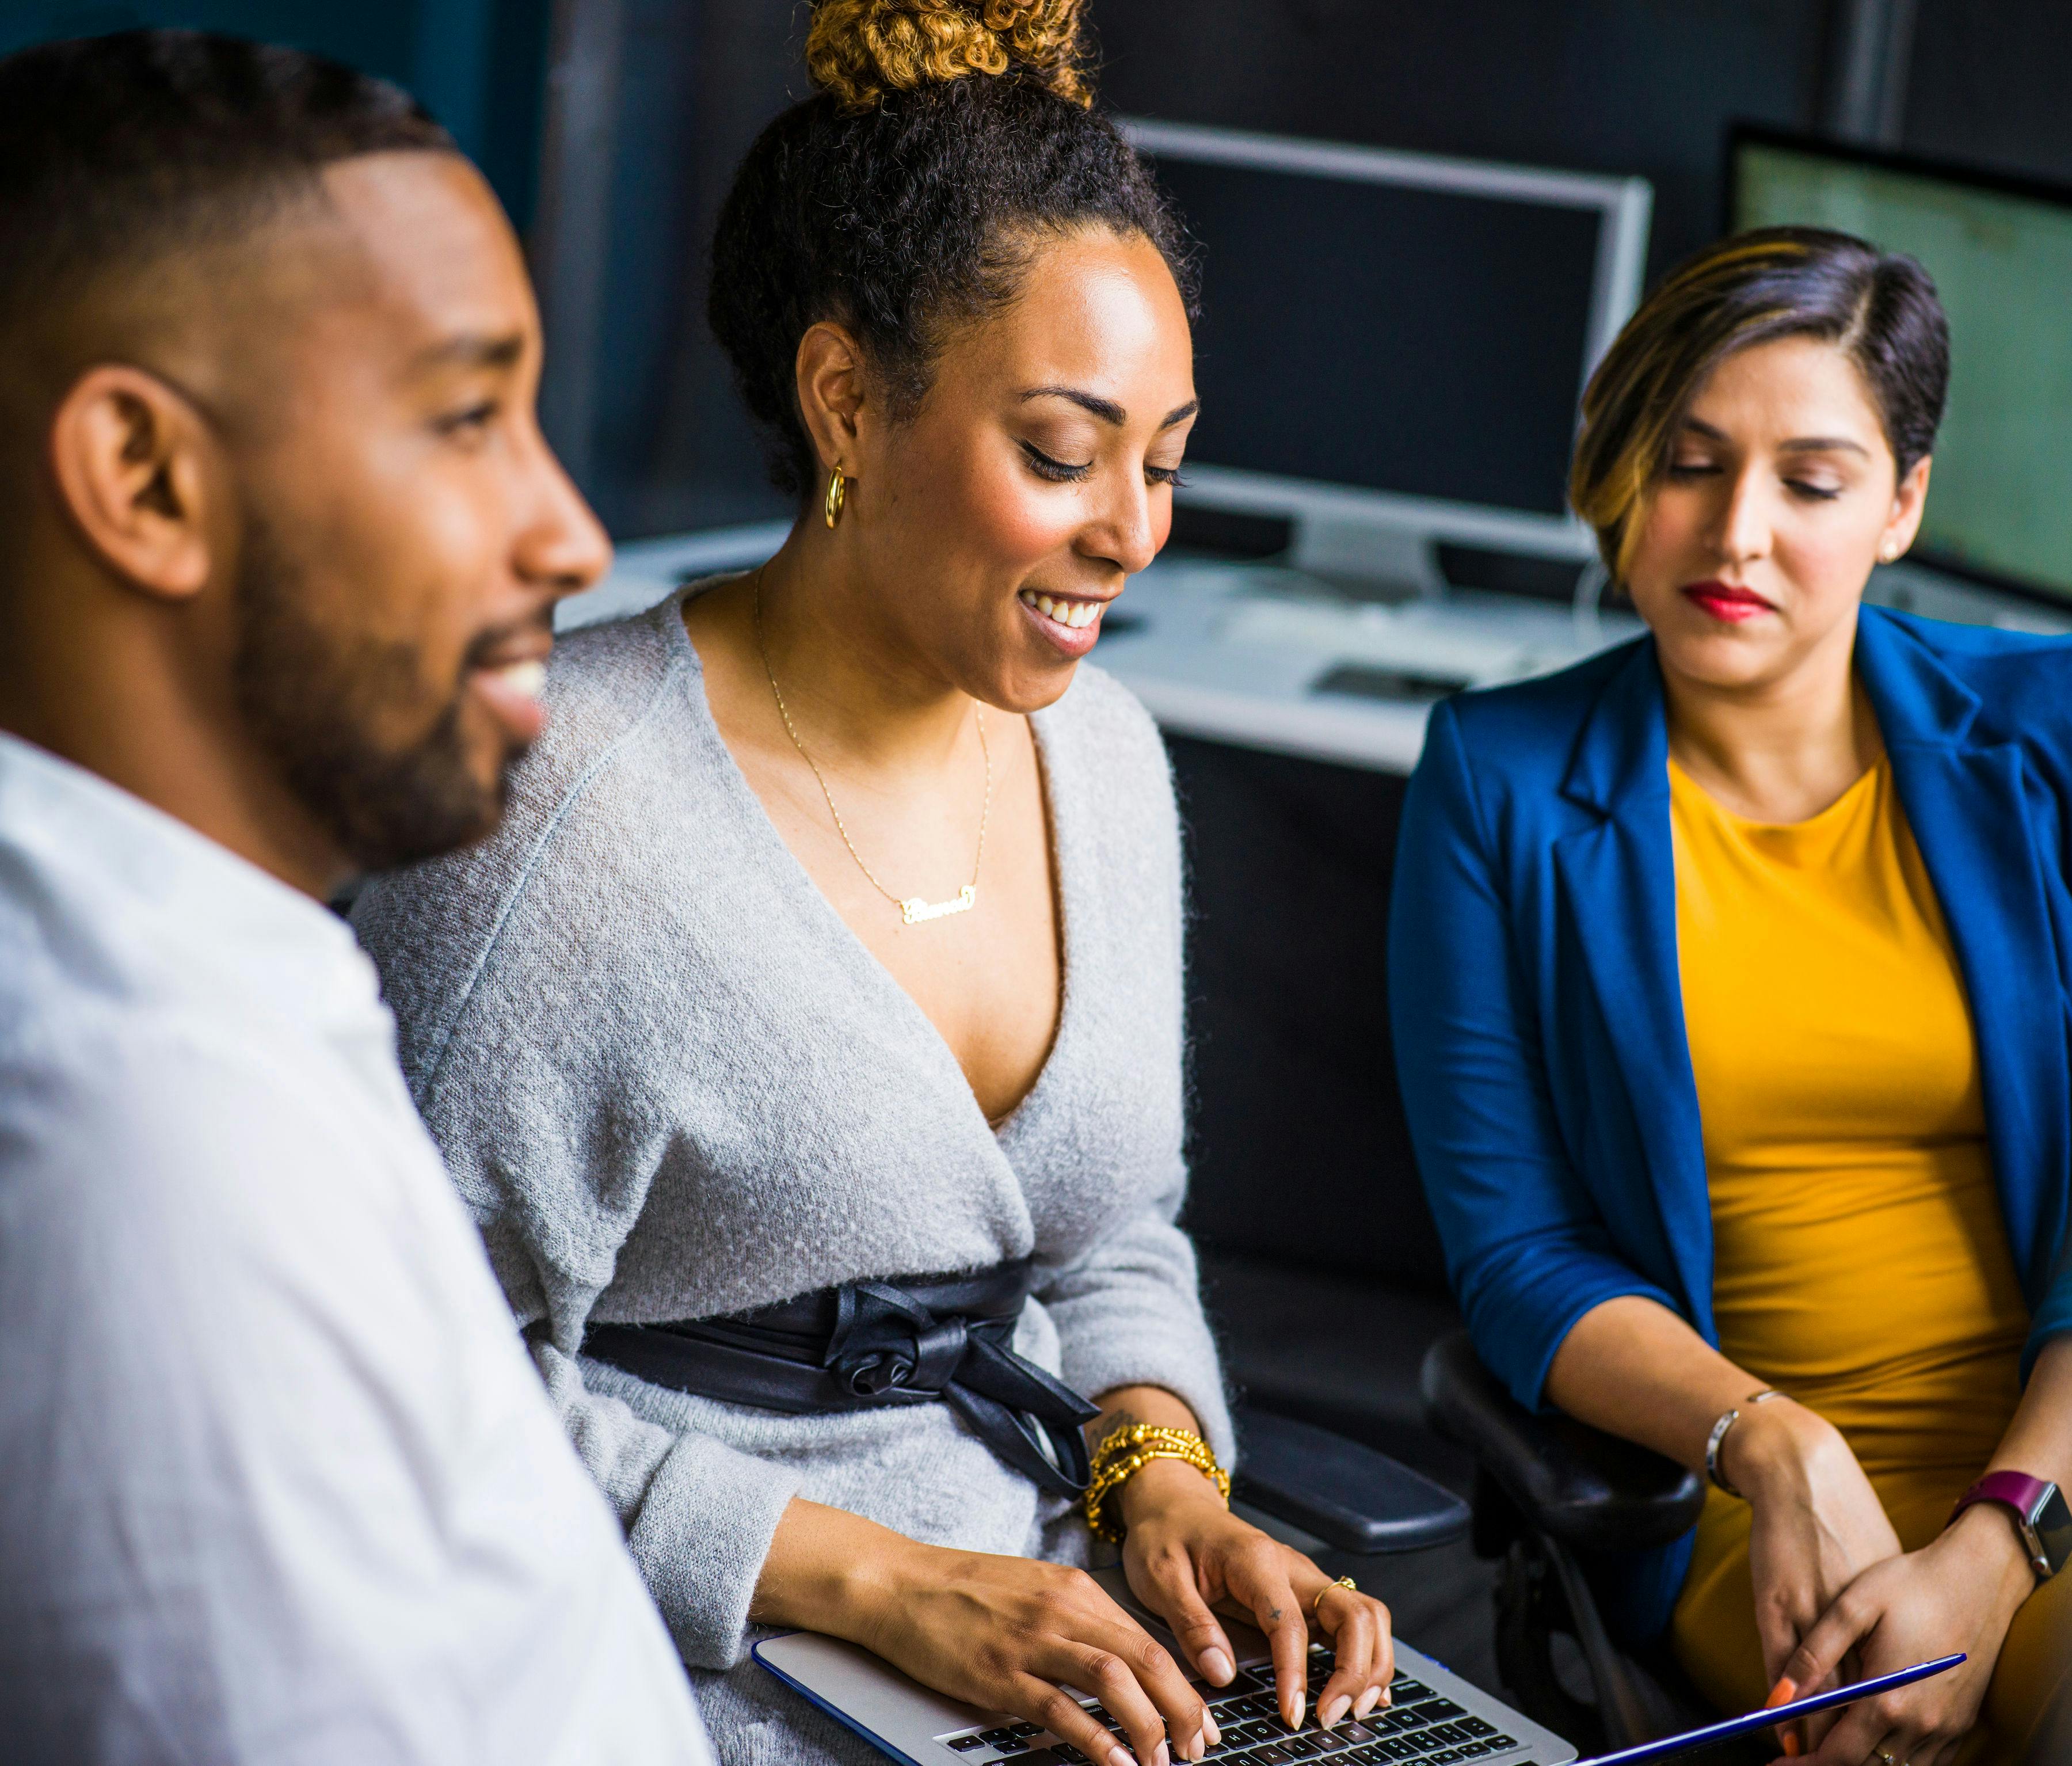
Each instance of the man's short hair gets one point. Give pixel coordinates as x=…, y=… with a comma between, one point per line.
x=117, y=150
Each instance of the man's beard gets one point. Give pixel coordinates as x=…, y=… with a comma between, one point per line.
x=314, y=702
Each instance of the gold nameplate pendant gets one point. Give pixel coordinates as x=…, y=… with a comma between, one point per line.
x=913, y=910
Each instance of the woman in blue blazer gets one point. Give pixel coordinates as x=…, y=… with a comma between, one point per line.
x=1729, y=980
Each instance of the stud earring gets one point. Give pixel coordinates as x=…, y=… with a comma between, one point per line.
x=837, y=496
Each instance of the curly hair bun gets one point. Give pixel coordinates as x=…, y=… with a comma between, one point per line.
x=858, y=50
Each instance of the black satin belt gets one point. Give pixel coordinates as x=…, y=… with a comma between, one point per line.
x=934, y=1340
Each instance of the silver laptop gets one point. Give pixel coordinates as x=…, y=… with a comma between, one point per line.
x=1435, y=1717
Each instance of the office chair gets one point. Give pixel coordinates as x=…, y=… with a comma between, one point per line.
x=1347, y=1494
x=1546, y=1488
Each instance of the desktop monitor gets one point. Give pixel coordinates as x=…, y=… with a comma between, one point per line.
x=1395, y=336
x=2001, y=251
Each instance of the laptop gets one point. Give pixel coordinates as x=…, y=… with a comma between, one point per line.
x=1434, y=1718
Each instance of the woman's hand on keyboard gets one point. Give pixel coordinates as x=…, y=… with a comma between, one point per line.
x=1186, y=1556
x=1006, y=1634
x=1010, y=1633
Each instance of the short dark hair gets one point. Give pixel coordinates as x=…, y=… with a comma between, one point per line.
x=1879, y=307
x=909, y=193
x=117, y=150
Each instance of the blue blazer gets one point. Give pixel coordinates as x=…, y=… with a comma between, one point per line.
x=1538, y=1017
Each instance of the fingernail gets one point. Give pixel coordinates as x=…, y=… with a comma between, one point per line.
x=1119, y=1755
x=1790, y=1745
x=1210, y=1733
x=1302, y=1704
x=1160, y=1757
x=1334, y=1712
x=1782, y=1693
x=1217, y=1666
x=1366, y=1701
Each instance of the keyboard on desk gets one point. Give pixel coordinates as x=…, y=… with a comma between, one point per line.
x=1416, y=1724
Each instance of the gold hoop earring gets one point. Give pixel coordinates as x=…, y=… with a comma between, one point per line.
x=837, y=496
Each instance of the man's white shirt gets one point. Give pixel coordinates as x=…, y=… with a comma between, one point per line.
x=278, y=1481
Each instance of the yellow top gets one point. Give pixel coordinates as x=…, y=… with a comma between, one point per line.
x=1861, y=1261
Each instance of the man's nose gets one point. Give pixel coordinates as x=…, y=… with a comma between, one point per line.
x=563, y=548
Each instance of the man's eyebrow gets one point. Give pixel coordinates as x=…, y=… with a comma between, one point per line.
x=1106, y=409
x=1801, y=444
x=474, y=350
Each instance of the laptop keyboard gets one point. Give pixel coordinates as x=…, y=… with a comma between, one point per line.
x=1417, y=1724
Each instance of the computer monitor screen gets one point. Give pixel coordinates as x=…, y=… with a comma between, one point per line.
x=1393, y=322
x=1999, y=501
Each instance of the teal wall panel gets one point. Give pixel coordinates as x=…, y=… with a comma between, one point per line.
x=479, y=65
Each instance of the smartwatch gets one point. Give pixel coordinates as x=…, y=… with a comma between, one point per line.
x=2041, y=1516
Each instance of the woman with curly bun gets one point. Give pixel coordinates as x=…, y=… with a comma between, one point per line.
x=808, y=1042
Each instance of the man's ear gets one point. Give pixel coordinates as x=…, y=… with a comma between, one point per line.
x=134, y=461
x=832, y=393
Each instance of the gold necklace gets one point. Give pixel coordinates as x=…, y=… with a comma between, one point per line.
x=913, y=910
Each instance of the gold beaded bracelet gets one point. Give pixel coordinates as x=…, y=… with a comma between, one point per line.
x=1127, y=1451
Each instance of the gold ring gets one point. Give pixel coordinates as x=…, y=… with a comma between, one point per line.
x=1347, y=1583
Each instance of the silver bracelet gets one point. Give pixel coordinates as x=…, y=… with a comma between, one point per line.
x=1718, y=1436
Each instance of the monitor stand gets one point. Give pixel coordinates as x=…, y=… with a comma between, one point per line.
x=1369, y=560
x=1397, y=548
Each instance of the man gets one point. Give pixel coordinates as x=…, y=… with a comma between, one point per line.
x=277, y=1482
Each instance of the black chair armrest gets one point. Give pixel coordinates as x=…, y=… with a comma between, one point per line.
x=1349, y=1496
x=1582, y=1486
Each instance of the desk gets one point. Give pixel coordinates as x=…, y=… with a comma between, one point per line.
x=1233, y=652
x=644, y=571
x=1227, y=652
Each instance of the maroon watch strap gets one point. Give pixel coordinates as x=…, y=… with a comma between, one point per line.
x=2028, y=1497
x=2019, y=1491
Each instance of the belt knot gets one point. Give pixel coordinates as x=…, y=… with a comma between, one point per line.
x=885, y=1341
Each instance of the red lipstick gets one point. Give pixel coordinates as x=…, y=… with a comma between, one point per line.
x=1726, y=602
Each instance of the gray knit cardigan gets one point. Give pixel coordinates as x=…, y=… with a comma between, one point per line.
x=672, y=1084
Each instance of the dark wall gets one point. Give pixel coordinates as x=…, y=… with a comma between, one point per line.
x=675, y=449
x=1618, y=86
x=1643, y=86
x=1613, y=85
x=1623, y=86
x=1991, y=85
x=478, y=65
